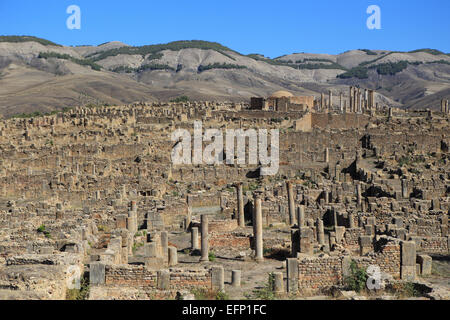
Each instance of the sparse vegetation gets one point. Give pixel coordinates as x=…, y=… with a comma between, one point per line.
x=18, y=39
x=180, y=99
x=300, y=64
x=357, y=72
x=157, y=48
x=79, y=294
x=39, y=114
x=102, y=228
x=405, y=290
x=211, y=256
x=216, y=65
x=42, y=229
x=153, y=66
x=136, y=246
x=82, y=62
x=430, y=51
x=391, y=68
x=369, y=52
x=205, y=294
x=266, y=292
x=222, y=295
x=357, y=279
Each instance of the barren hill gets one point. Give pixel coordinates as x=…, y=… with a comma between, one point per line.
x=38, y=75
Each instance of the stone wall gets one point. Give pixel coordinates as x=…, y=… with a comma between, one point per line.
x=140, y=276
x=339, y=121
x=325, y=271
x=434, y=245
x=222, y=225
x=236, y=241
x=319, y=272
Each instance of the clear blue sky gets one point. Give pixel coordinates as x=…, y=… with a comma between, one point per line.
x=272, y=28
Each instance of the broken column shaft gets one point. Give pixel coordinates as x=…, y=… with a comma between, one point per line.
x=258, y=228
x=205, y=244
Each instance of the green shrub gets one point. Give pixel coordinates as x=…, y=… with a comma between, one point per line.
x=369, y=52
x=267, y=291
x=217, y=65
x=357, y=279
x=136, y=246
x=41, y=229
x=391, y=68
x=82, y=62
x=221, y=295
x=26, y=39
x=357, y=72
x=430, y=51
x=204, y=294
x=211, y=256
x=79, y=294
x=157, y=48
x=180, y=99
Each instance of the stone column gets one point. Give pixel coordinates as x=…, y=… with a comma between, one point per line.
x=217, y=278
x=408, y=260
x=320, y=231
x=258, y=228
x=132, y=224
x=327, y=155
x=290, y=193
x=404, y=189
x=326, y=196
x=236, y=278
x=163, y=279
x=292, y=274
x=351, y=220
x=335, y=219
x=205, y=244
x=330, y=100
x=358, y=194
x=188, y=218
x=240, y=200
x=351, y=99
x=173, y=256
x=301, y=215
x=278, y=283
x=305, y=236
x=164, y=244
x=194, y=238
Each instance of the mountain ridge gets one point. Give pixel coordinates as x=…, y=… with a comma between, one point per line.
x=205, y=70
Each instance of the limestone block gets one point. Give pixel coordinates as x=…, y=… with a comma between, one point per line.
x=217, y=278
x=96, y=273
x=425, y=263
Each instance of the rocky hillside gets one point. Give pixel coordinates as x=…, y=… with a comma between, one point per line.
x=39, y=75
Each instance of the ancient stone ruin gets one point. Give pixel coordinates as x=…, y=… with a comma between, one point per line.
x=91, y=203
